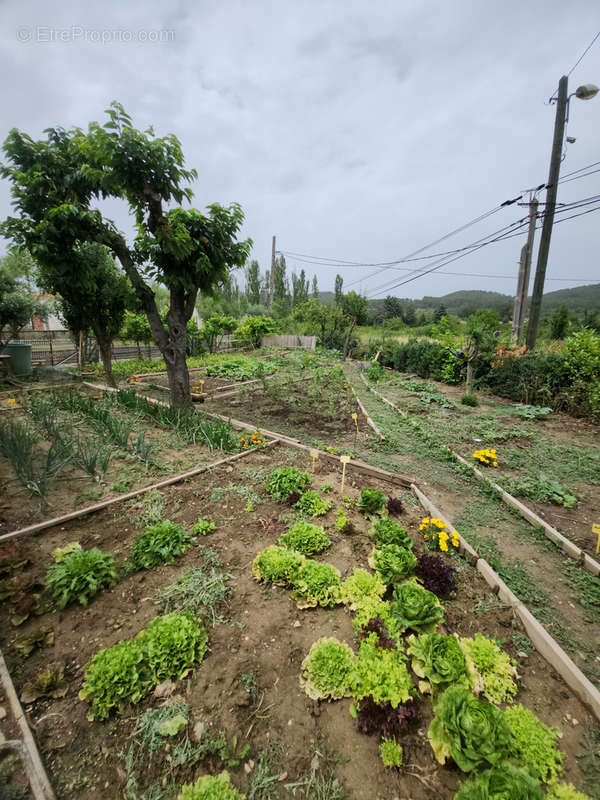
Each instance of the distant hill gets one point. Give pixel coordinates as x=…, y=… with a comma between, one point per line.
x=581, y=298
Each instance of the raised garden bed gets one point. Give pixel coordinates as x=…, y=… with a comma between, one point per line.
x=248, y=684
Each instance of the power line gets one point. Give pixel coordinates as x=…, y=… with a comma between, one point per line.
x=583, y=55
x=581, y=169
x=577, y=177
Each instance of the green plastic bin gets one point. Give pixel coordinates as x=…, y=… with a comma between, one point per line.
x=20, y=358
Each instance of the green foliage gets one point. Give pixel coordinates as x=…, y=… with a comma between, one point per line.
x=391, y=753
x=360, y=586
x=381, y=674
x=277, y=565
x=80, y=575
x=126, y=672
x=440, y=660
x=564, y=791
x=252, y=329
x=375, y=372
x=392, y=563
x=343, y=522
x=316, y=584
x=502, y=782
x=237, y=368
x=159, y=544
x=372, y=501
x=284, y=481
x=36, y=472
x=496, y=673
x=415, y=608
x=469, y=400
x=326, y=670
x=200, y=591
x=473, y=733
x=532, y=413
x=542, y=488
x=211, y=788
x=17, y=306
x=305, y=538
x=386, y=531
x=203, y=527
x=534, y=744
x=311, y=504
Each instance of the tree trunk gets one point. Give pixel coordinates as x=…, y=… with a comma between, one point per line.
x=469, y=386
x=139, y=351
x=174, y=355
x=347, y=342
x=105, y=346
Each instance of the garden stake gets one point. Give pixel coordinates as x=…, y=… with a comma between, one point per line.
x=314, y=455
x=355, y=418
x=596, y=529
x=344, y=460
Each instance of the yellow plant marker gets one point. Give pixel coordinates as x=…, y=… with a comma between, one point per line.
x=596, y=529
x=355, y=418
x=314, y=455
x=344, y=460
x=201, y=386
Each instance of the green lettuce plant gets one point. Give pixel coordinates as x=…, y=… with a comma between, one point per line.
x=167, y=649
x=386, y=531
x=316, y=584
x=473, y=733
x=565, y=791
x=326, y=670
x=392, y=563
x=502, y=782
x=305, y=538
x=391, y=753
x=343, y=523
x=284, y=481
x=209, y=787
x=277, y=565
x=415, y=608
x=440, y=660
x=534, y=744
x=159, y=544
x=372, y=502
x=380, y=674
x=203, y=527
x=311, y=504
x=80, y=575
x=360, y=586
x=367, y=608
x=495, y=672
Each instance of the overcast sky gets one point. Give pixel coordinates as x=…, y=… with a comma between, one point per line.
x=351, y=130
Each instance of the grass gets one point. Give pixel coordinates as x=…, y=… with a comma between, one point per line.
x=203, y=591
x=264, y=781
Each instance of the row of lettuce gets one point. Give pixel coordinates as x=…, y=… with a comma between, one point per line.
x=505, y=753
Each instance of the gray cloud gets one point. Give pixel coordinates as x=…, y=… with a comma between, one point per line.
x=353, y=131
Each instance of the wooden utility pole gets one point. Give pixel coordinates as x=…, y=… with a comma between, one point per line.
x=523, y=280
x=542, y=261
x=272, y=276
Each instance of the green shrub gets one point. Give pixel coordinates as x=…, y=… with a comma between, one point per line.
x=210, y=788
x=386, y=531
x=159, y=544
x=392, y=563
x=326, y=670
x=469, y=400
x=374, y=372
x=126, y=672
x=372, y=501
x=80, y=575
x=203, y=527
x=305, y=538
x=312, y=504
x=277, y=565
x=284, y=481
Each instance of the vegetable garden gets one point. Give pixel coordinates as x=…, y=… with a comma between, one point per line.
x=284, y=624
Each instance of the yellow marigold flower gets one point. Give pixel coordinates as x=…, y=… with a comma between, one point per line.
x=11, y=401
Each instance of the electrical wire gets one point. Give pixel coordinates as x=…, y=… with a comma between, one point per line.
x=583, y=55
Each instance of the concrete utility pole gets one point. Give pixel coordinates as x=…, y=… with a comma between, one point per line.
x=523, y=280
x=542, y=261
x=272, y=276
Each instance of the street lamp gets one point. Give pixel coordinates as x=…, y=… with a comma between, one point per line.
x=585, y=92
